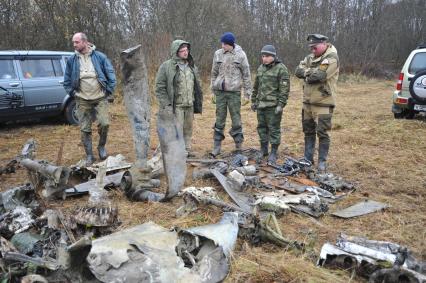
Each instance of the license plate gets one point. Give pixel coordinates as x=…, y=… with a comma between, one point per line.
x=419, y=107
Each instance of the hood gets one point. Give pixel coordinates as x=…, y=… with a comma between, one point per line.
x=175, y=47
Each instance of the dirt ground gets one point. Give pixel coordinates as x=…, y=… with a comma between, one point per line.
x=384, y=157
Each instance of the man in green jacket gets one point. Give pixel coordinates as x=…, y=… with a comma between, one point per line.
x=319, y=71
x=270, y=93
x=178, y=88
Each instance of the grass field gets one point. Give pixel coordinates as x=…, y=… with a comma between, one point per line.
x=384, y=157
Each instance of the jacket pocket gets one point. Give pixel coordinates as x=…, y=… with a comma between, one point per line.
x=324, y=90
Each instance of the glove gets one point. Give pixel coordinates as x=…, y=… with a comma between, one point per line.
x=245, y=101
x=213, y=98
x=278, y=109
x=254, y=107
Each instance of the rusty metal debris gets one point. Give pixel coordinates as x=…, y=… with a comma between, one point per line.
x=380, y=261
x=331, y=182
x=361, y=208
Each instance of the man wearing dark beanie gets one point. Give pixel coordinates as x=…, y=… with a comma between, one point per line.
x=230, y=73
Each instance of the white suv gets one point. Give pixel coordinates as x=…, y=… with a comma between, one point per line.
x=409, y=97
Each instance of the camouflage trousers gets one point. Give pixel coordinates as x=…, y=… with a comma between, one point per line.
x=269, y=125
x=316, y=120
x=228, y=100
x=88, y=109
x=185, y=117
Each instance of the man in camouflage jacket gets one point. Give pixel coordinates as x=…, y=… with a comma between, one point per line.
x=270, y=93
x=230, y=72
x=320, y=71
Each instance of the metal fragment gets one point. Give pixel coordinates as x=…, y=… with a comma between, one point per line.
x=361, y=208
x=173, y=151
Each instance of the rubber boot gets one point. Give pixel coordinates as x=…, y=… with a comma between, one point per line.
x=264, y=148
x=86, y=139
x=272, y=159
x=310, y=148
x=238, y=146
x=322, y=156
x=216, y=148
x=103, y=134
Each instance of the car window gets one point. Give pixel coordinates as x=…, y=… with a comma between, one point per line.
x=6, y=70
x=418, y=63
x=41, y=68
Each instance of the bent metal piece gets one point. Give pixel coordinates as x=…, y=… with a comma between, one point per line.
x=147, y=253
x=361, y=208
x=137, y=100
x=368, y=256
x=238, y=197
x=173, y=151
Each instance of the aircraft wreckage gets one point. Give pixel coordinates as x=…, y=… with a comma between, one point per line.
x=87, y=244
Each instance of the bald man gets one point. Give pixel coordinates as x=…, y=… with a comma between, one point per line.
x=90, y=80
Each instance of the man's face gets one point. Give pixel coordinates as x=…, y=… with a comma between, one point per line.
x=79, y=44
x=318, y=49
x=267, y=59
x=227, y=47
x=183, y=52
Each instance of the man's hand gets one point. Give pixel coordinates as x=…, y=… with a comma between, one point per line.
x=254, y=107
x=278, y=109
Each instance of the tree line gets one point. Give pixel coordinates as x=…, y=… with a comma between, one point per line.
x=373, y=37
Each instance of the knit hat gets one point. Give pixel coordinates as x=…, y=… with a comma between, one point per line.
x=269, y=49
x=228, y=38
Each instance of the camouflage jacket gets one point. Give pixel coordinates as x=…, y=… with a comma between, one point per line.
x=271, y=86
x=320, y=75
x=166, y=83
x=231, y=71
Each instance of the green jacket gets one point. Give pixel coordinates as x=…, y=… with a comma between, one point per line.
x=320, y=76
x=165, y=81
x=271, y=86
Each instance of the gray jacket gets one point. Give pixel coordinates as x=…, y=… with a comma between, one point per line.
x=231, y=71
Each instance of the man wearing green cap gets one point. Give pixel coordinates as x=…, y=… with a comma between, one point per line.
x=230, y=73
x=178, y=88
x=319, y=71
x=270, y=93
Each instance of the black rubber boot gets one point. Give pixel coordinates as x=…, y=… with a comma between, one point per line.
x=264, y=148
x=103, y=134
x=272, y=159
x=216, y=148
x=86, y=139
x=310, y=148
x=238, y=146
x=322, y=156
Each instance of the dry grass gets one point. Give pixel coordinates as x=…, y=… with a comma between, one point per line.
x=383, y=156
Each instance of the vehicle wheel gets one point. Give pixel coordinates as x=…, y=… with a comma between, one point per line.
x=399, y=115
x=70, y=113
x=418, y=87
x=410, y=114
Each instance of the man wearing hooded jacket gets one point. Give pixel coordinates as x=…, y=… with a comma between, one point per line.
x=178, y=87
x=270, y=94
x=90, y=79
